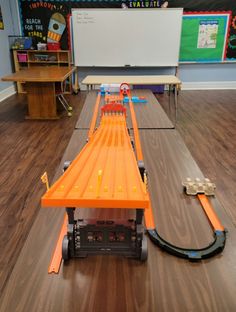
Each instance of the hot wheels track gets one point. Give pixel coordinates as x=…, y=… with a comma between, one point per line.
x=88, y=183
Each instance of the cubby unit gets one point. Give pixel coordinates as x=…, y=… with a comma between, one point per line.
x=29, y=58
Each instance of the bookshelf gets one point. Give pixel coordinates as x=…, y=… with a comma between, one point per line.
x=30, y=58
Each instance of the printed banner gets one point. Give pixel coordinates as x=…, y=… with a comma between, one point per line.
x=47, y=20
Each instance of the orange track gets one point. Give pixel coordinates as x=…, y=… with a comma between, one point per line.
x=94, y=119
x=87, y=182
x=136, y=133
x=215, y=222
x=105, y=175
x=57, y=256
x=148, y=214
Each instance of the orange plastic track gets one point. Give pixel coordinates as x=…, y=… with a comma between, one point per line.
x=148, y=214
x=94, y=119
x=136, y=133
x=105, y=173
x=215, y=222
x=55, y=263
x=149, y=218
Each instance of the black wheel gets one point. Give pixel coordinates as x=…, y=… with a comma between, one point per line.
x=65, y=248
x=66, y=165
x=144, y=249
x=141, y=168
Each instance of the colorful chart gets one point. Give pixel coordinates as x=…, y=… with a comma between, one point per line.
x=207, y=40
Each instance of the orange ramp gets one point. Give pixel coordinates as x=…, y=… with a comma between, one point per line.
x=105, y=173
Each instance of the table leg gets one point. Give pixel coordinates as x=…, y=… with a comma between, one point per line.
x=176, y=104
x=169, y=102
x=76, y=82
x=41, y=100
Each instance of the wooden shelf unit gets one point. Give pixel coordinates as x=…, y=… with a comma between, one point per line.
x=41, y=58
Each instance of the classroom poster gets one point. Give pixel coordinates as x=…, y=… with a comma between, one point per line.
x=211, y=6
x=45, y=21
x=207, y=34
x=1, y=19
x=204, y=37
x=37, y=19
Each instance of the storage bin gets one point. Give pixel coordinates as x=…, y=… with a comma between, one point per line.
x=54, y=46
x=22, y=57
x=20, y=42
x=41, y=57
x=155, y=89
x=28, y=43
x=41, y=46
x=112, y=87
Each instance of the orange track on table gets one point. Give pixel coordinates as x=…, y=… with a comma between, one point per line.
x=105, y=173
x=215, y=222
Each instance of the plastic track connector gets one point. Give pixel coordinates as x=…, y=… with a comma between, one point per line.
x=192, y=254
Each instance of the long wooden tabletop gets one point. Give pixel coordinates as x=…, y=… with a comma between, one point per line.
x=41, y=74
x=109, y=283
x=149, y=115
x=133, y=80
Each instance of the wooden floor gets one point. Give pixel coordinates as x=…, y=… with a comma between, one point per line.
x=207, y=123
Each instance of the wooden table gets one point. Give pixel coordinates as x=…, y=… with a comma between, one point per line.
x=109, y=283
x=40, y=86
x=169, y=80
x=149, y=115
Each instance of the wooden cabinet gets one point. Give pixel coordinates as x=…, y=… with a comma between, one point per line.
x=30, y=58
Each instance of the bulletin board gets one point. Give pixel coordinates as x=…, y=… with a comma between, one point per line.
x=204, y=37
x=35, y=16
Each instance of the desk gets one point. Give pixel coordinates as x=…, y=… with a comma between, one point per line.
x=163, y=283
x=40, y=86
x=169, y=80
x=149, y=115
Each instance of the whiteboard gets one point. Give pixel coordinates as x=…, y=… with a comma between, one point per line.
x=126, y=37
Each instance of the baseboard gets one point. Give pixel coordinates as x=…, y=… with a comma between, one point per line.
x=209, y=85
x=4, y=94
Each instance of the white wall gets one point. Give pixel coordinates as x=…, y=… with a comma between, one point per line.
x=10, y=19
x=208, y=76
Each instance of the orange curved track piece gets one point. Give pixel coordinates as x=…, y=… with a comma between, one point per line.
x=87, y=182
